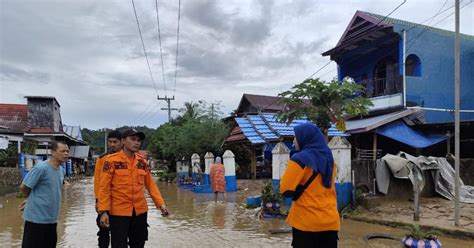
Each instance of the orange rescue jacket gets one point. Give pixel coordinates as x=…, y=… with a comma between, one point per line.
x=99, y=163
x=316, y=209
x=122, y=185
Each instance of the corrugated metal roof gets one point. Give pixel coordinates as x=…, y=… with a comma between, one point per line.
x=79, y=151
x=249, y=131
x=14, y=117
x=73, y=131
x=367, y=124
x=263, y=128
x=391, y=20
x=235, y=135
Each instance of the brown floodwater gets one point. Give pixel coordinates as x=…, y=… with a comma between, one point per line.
x=196, y=221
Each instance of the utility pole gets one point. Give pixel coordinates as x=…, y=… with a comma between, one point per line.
x=457, y=66
x=169, y=109
x=212, y=111
x=404, y=77
x=105, y=140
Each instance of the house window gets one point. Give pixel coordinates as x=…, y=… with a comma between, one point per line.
x=413, y=66
x=385, y=77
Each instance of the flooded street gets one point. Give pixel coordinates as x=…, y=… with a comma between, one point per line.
x=196, y=221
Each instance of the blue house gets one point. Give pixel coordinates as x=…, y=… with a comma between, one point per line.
x=371, y=51
x=407, y=70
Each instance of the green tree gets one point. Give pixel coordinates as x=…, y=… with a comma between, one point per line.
x=190, y=110
x=9, y=156
x=197, y=130
x=96, y=138
x=324, y=102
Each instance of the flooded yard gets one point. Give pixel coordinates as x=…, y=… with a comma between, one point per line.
x=196, y=221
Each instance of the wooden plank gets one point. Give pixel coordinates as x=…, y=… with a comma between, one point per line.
x=374, y=157
x=253, y=162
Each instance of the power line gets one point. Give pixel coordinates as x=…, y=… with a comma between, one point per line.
x=143, y=45
x=361, y=31
x=324, y=66
x=142, y=114
x=437, y=13
x=177, y=48
x=427, y=27
x=430, y=20
x=411, y=42
x=400, y=5
x=159, y=38
x=145, y=121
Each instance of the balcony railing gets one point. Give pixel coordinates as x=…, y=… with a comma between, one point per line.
x=382, y=86
x=384, y=93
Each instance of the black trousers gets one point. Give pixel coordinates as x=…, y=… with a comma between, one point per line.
x=103, y=233
x=39, y=235
x=326, y=239
x=134, y=229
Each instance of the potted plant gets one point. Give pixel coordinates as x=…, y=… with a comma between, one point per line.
x=421, y=238
x=271, y=201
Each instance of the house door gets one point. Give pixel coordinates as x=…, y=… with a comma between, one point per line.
x=390, y=78
x=384, y=77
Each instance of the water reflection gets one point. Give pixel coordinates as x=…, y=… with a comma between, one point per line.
x=196, y=221
x=219, y=215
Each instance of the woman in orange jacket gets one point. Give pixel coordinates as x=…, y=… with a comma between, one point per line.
x=309, y=180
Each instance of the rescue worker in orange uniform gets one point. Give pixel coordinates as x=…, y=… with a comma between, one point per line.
x=122, y=202
x=313, y=214
x=114, y=145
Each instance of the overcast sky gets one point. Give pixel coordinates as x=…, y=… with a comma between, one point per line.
x=88, y=54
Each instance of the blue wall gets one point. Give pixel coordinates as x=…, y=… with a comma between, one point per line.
x=365, y=64
x=435, y=87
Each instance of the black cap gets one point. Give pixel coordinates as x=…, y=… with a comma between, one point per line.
x=133, y=132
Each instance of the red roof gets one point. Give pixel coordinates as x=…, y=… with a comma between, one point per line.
x=265, y=103
x=41, y=130
x=236, y=135
x=14, y=117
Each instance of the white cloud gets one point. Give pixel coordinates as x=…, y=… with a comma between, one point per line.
x=88, y=53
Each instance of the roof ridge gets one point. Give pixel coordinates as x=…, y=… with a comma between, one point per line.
x=409, y=23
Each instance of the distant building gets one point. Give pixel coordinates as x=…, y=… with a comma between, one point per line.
x=254, y=126
x=40, y=120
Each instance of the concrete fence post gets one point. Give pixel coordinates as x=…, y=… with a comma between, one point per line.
x=184, y=168
x=196, y=165
x=341, y=152
x=229, y=165
x=179, y=170
x=280, y=157
x=208, y=161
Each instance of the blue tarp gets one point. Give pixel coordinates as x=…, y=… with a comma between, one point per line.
x=399, y=131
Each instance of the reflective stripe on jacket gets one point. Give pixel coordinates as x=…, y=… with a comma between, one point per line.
x=122, y=185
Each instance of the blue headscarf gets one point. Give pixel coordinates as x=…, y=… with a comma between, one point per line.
x=314, y=151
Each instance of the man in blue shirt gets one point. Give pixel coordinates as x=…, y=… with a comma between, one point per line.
x=42, y=187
